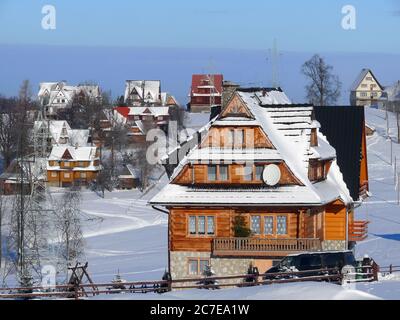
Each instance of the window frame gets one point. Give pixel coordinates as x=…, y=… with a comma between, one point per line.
x=208, y=173
x=198, y=262
x=206, y=228
x=274, y=234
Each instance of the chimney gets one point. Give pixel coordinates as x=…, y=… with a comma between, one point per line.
x=264, y=92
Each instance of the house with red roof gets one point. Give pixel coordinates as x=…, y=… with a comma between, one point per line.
x=206, y=91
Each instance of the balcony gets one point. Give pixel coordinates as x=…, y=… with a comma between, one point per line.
x=358, y=231
x=258, y=247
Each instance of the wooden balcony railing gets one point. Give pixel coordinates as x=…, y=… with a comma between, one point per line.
x=259, y=247
x=358, y=231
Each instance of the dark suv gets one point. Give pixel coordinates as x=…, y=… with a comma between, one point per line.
x=313, y=261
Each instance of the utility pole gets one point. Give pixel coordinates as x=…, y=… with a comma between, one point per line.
x=391, y=151
x=398, y=189
x=395, y=169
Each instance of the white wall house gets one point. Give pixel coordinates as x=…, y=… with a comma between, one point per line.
x=58, y=95
x=366, y=89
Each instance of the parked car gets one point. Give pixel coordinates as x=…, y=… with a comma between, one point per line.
x=310, y=262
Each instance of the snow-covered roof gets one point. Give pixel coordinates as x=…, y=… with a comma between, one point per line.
x=361, y=77
x=77, y=153
x=289, y=195
x=57, y=128
x=289, y=129
x=60, y=90
x=393, y=92
x=78, y=137
x=148, y=90
x=155, y=111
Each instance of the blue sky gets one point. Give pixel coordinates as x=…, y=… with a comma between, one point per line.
x=111, y=41
x=303, y=26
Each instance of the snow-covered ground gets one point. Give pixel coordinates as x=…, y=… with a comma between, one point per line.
x=125, y=235
x=383, y=243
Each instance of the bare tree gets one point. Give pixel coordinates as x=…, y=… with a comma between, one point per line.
x=323, y=88
x=68, y=228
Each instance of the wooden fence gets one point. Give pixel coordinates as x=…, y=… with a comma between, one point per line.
x=249, y=280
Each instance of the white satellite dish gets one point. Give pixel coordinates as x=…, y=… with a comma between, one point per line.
x=272, y=175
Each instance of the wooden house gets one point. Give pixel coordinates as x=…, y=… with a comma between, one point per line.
x=21, y=175
x=67, y=166
x=129, y=178
x=56, y=96
x=140, y=119
x=265, y=164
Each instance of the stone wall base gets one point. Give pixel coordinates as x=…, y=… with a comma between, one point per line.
x=334, y=245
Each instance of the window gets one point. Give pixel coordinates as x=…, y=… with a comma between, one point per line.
x=192, y=225
x=212, y=173
x=223, y=173
x=197, y=266
x=83, y=175
x=54, y=174
x=230, y=138
x=363, y=94
x=369, y=78
x=268, y=225
x=193, y=267
x=67, y=175
x=66, y=164
x=210, y=225
x=247, y=173
x=239, y=138
x=259, y=173
x=201, y=225
x=281, y=225
x=256, y=224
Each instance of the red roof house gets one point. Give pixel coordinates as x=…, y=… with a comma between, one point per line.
x=206, y=91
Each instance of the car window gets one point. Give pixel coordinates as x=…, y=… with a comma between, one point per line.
x=333, y=260
x=349, y=259
x=289, y=262
x=310, y=261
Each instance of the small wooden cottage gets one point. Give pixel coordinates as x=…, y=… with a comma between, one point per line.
x=67, y=166
x=265, y=168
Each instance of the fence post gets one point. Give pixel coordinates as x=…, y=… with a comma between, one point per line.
x=391, y=269
x=76, y=291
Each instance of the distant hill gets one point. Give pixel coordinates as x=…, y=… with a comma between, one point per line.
x=111, y=66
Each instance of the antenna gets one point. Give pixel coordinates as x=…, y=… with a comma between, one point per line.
x=274, y=58
x=210, y=77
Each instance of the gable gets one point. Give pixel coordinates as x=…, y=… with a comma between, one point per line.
x=67, y=155
x=367, y=81
x=221, y=137
x=236, y=108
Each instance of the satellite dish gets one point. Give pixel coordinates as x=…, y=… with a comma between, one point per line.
x=272, y=175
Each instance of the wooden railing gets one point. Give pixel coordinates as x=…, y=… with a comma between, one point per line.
x=358, y=231
x=263, y=247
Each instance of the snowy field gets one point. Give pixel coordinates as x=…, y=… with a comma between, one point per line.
x=125, y=235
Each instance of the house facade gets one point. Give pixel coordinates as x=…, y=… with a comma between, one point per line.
x=262, y=166
x=140, y=119
x=55, y=96
x=366, y=89
x=205, y=92
x=67, y=166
